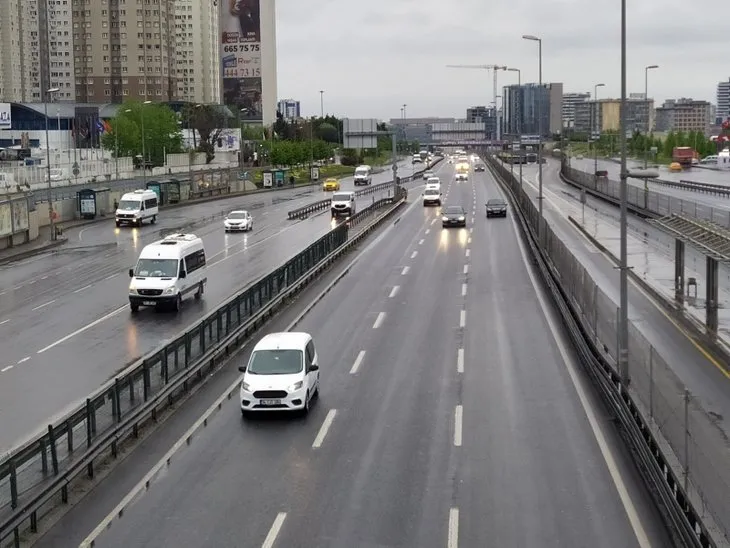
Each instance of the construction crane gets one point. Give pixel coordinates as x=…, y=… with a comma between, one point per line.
x=494, y=68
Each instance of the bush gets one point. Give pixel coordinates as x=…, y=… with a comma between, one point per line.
x=350, y=157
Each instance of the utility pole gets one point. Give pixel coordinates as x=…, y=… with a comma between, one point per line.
x=540, y=131
x=321, y=103
x=51, y=222
x=623, y=327
x=648, y=111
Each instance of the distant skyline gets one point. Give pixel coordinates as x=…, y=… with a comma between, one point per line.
x=372, y=59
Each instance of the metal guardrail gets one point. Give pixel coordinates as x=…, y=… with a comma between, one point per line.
x=40, y=473
x=561, y=270
x=306, y=210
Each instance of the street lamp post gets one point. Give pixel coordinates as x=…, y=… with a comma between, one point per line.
x=648, y=110
x=321, y=103
x=116, y=146
x=540, y=129
x=144, y=156
x=623, y=327
x=404, y=111
x=519, y=116
x=595, y=128
x=48, y=166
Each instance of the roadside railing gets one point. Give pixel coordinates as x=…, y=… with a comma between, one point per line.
x=687, y=478
x=39, y=475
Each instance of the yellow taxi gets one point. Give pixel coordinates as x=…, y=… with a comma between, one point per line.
x=331, y=184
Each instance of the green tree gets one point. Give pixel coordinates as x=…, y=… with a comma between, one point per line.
x=328, y=133
x=209, y=122
x=161, y=133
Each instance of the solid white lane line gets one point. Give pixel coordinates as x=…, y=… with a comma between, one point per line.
x=358, y=361
x=4, y=321
x=405, y=270
x=420, y=242
x=572, y=369
x=8, y=368
x=274, y=531
x=78, y=331
x=394, y=291
x=466, y=269
x=428, y=230
x=23, y=360
x=460, y=360
x=462, y=318
x=463, y=290
x=468, y=251
x=458, y=424
x=43, y=305
x=379, y=320
x=79, y=290
x=324, y=429
x=453, y=539
x=112, y=276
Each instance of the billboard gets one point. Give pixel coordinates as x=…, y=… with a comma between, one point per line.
x=240, y=25
x=5, y=119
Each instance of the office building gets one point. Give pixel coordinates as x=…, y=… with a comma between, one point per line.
x=197, y=53
x=569, y=102
x=532, y=109
x=290, y=109
x=484, y=114
x=604, y=115
x=723, y=101
x=684, y=115
x=20, y=62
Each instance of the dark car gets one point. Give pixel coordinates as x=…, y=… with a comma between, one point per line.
x=453, y=216
x=480, y=167
x=496, y=207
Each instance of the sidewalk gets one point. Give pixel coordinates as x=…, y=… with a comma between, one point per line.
x=40, y=245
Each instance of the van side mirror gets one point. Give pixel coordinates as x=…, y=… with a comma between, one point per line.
x=131, y=272
x=242, y=368
x=314, y=367
x=182, y=275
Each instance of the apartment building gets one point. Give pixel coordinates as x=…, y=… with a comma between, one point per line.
x=604, y=115
x=197, y=55
x=56, y=24
x=124, y=49
x=723, y=101
x=569, y=102
x=20, y=63
x=684, y=115
x=290, y=109
x=533, y=109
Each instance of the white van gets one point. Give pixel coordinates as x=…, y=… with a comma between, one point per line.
x=433, y=183
x=282, y=374
x=343, y=203
x=167, y=270
x=135, y=207
x=363, y=175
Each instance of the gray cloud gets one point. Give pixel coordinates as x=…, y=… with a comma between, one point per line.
x=371, y=57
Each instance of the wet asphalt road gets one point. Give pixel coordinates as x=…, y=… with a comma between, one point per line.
x=463, y=422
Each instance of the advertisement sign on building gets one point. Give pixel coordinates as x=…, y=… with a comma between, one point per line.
x=5, y=119
x=240, y=25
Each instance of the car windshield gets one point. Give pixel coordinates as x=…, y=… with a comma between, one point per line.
x=454, y=210
x=156, y=268
x=129, y=205
x=433, y=181
x=340, y=197
x=361, y=171
x=276, y=362
x=432, y=192
x=496, y=202
x=237, y=215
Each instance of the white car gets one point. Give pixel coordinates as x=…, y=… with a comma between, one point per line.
x=431, y=196
x=282, y=374
x=238, y=221
x=461, y=177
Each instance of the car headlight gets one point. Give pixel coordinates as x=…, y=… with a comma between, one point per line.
x=132, y=290
x=444, y=218
x=246, y=387
x=170, y=290
x=461, y=218
x=296, y=386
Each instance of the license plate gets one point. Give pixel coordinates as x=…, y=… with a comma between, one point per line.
x=149, y=303
x=270, y=402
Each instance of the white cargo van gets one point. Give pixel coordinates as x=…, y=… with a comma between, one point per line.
x=363, y=175
x=167, y=270
x=135, y=207
x=343, y=203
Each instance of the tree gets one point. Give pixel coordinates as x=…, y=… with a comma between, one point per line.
x=161, y=134
x=328, y=133
x=209, y=121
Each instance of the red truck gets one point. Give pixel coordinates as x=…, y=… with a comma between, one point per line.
x=683, y=155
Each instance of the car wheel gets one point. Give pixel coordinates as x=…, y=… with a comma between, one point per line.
x=305, y=409
x=199, y=292
x=178, y=303
x=134, y=308
x=118, y=224
x=154, y=219
x=245, y=415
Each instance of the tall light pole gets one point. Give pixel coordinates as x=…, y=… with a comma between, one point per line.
x=539, y=128
x=623, y=327
x=595, y=128
x=321, y=103
x=116, y=147
x=404, y=111
x=519, y=116
x=648, y=110
x=48, y=166
x=144, y=156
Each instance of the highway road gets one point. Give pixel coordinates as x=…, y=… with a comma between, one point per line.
x=452, y=413
x=67, y=316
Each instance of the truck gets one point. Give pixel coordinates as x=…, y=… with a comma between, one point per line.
x=684, y=155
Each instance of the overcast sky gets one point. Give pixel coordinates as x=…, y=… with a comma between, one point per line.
x=372, y=56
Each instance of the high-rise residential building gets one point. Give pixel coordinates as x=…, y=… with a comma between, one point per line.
x=533, y=109
x=290, y=109
x=477, y=114
x=569, y=102
x=56, y=45
x=684, y=115
x=723, y=101
x=604, y=115
x=20, y=63
x=124, y=50
x=197, y=55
